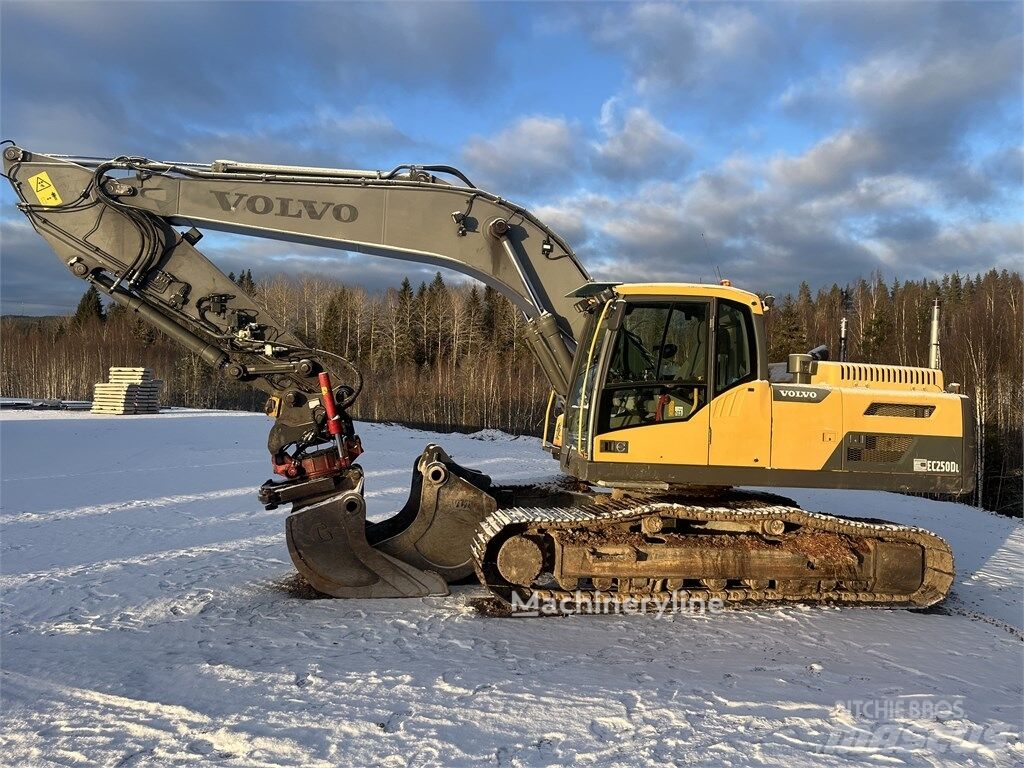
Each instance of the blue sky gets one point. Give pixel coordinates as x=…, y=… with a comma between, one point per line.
x=777, y=142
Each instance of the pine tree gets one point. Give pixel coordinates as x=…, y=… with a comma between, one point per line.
x=245, y=281
x=117, y=312
x=90, y=308
x=878, y=330
x=330, y=335
x=406, y=307
x=788, y=333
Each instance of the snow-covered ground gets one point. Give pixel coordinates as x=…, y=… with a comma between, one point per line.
x=144, y=623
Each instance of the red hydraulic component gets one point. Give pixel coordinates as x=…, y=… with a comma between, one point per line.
x=331, y=461
x=333, y=419
x=663, y=400
x=319, y=464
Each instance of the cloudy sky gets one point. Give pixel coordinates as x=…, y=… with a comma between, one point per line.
x=776, y=142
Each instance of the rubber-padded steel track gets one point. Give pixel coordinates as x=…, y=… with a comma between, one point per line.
x=734, y=508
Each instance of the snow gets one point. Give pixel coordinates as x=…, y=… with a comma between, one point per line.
x=144, y=623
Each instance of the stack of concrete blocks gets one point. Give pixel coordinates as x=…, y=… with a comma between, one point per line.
x=129, y=391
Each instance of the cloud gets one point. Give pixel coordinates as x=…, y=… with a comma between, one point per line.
x=716, y=56
x=929, y=79
x=534, y=152
x=833, y=163
x=578, y=218
x=539, y=153
x=766, y=232
x=324, y=137
x=637, y=146
x=780, y=142
x=32, y=279
x=669, y=45
x=923, y=105
x=151, y=78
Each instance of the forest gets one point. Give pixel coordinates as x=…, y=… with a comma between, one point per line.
x=453, y=357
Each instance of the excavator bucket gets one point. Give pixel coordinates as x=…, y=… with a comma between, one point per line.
x=433, y=530
x=417, y=552
x=327, y=544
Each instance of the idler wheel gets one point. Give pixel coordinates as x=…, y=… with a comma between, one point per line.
x=520, y=560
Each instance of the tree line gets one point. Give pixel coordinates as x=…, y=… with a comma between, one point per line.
x=454, y=357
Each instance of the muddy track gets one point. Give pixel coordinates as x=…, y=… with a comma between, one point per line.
x=620, y=522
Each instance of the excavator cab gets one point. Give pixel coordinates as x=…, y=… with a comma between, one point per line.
x=658, y=355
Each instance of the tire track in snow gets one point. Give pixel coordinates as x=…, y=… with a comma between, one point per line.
x=135, y=470
x=21, y=579
x=176, y=731
x=72, y=513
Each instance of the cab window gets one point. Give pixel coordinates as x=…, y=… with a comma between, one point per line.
x=582, y=394
x=657, y=369
x=735, y=352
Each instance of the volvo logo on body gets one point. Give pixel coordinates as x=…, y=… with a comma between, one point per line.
x=806, y=394
x=286, y=207
x=799, y=394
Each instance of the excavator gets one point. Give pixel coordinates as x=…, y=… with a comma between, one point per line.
x=662, y=402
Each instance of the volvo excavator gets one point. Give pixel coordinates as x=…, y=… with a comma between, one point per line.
x=662, y=399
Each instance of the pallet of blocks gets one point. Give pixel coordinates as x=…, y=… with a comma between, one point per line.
x=129, y=391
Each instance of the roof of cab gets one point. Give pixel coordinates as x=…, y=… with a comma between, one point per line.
x=690, y=289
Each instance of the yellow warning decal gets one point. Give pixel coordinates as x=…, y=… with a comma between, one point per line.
x=44, y=189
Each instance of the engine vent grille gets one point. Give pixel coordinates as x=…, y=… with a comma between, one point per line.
x=888, y=374
x=904, y=410
x=880, y=449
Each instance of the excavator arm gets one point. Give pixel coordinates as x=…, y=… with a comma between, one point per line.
x=130, y=226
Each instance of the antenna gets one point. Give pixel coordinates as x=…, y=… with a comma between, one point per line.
x=707, y=252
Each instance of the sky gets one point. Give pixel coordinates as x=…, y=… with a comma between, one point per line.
x=771, y=143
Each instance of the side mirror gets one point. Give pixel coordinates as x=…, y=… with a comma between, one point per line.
x=768, y=302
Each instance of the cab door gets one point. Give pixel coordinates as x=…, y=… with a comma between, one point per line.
x=741, y=408
x=654, y=404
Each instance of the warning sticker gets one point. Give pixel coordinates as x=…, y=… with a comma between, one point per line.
x=44, y=189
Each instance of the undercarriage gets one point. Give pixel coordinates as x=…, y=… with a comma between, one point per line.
x=566, y=543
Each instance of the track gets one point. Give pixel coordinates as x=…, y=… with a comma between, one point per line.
x=612, y=538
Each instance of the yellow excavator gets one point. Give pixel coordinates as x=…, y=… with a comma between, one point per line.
x=662, y=399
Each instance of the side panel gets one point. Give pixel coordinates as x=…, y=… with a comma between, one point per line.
x=903, y=432
x=807, y=426
x=672, y=442
x=901, y=412
x=822, y=438
x=741, y=426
